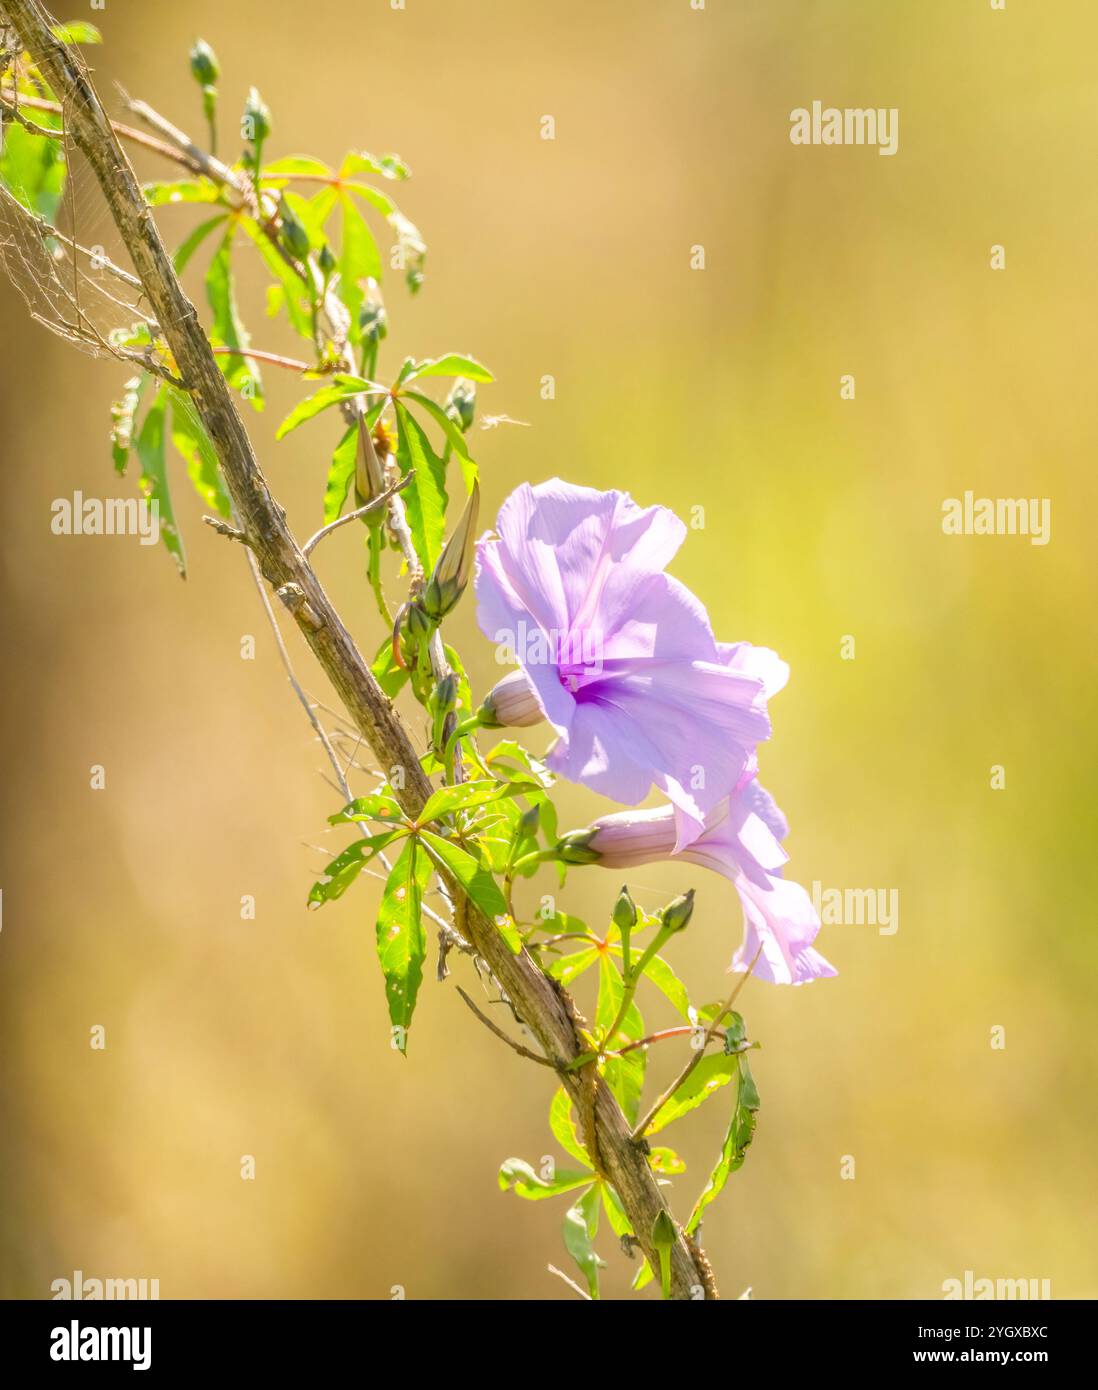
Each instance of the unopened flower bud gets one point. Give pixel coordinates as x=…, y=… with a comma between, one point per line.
x=294, y=235
x=419, y=625
x=461, y=403
x=204, y=66
x=625, y=911
x=678, y=912
x=455, y=564
x=257, y=119
x=529, y=821
x=573, y=848
x=511, y=703
x=374, y=322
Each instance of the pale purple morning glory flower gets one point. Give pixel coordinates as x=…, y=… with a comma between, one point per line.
x=618, y=656
x=780, y=922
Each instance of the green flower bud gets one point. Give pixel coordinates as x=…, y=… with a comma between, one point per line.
x=256, y=125
x=204, y=66
x=625, y=911
x=529, y=821
x=461, y=403
x=419, y=625
x=374, y=322
x=326, y=260
x=455, y=564
x=678, y=912
x=573, y=848
x=664, y=1233
x=446, y=693
x=294, y=235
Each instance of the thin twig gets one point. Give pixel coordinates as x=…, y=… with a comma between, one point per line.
x=382, y=497
x=570, y=1282
x=494, y=1028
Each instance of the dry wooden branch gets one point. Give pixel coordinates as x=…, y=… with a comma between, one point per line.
x=536, y=999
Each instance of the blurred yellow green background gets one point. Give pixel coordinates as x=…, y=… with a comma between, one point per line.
x=716, y=388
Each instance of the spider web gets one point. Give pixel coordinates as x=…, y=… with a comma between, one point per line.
x=69, y=266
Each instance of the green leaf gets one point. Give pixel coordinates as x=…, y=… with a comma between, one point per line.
x=181, y=191
x=154, y=477
x=466, y=795
x=32, y=167
x=379, y=807
x=741, y=1130
x=454, y=436
x=401, y=940
x=297, y=164
x=453, y=364
x=340, y=473
x=193, y=443
x=564, y=1127
x=568, y=968
x=295, y=294
x=76, y=31
x=518, y=1177
x=391, y=677
x=664, y=1236
x=666, y=1162
x=474, y=878
x=339, y=390
x=708, y=1076
x=122, y=418
x=389, y=166
x=615, y=1212
x=191, y=244
x=241, y=373
x=346, y=867
x=426, y=498
x=664, y=978
x=359, y=259
x=581, y=1224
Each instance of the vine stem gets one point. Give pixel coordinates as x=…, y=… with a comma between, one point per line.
x=545, y=1010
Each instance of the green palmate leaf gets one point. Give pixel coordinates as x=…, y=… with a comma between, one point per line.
x=465, y=795
x=581, y=1224
x=741, y=1130
x=359, y=260
x=181, y=191
x=708, y=1076
x=76, y=31
x=154, y=477
x=346, y=867
x=241, y=373
x=380, y=807
x=477, y=882
x=340, y=388
x=564, y=1127
x=340, y=473
x=426, y=498
x=568, y=968
x=664, y=978
x=193, y=443
x=401, y=940
x=518, y=1177
x=453, y=364
x=191, y=244
x=32, y=167
x=122, y=418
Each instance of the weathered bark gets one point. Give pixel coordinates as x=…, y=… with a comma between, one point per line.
x=543, y=1008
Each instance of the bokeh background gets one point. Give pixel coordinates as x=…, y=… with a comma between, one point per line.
x=717, y=388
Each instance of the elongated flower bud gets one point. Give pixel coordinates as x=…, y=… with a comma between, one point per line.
x=461, y=403
x=626, y=839
x=511, y=703
x=257, y=119
x=455, y=564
